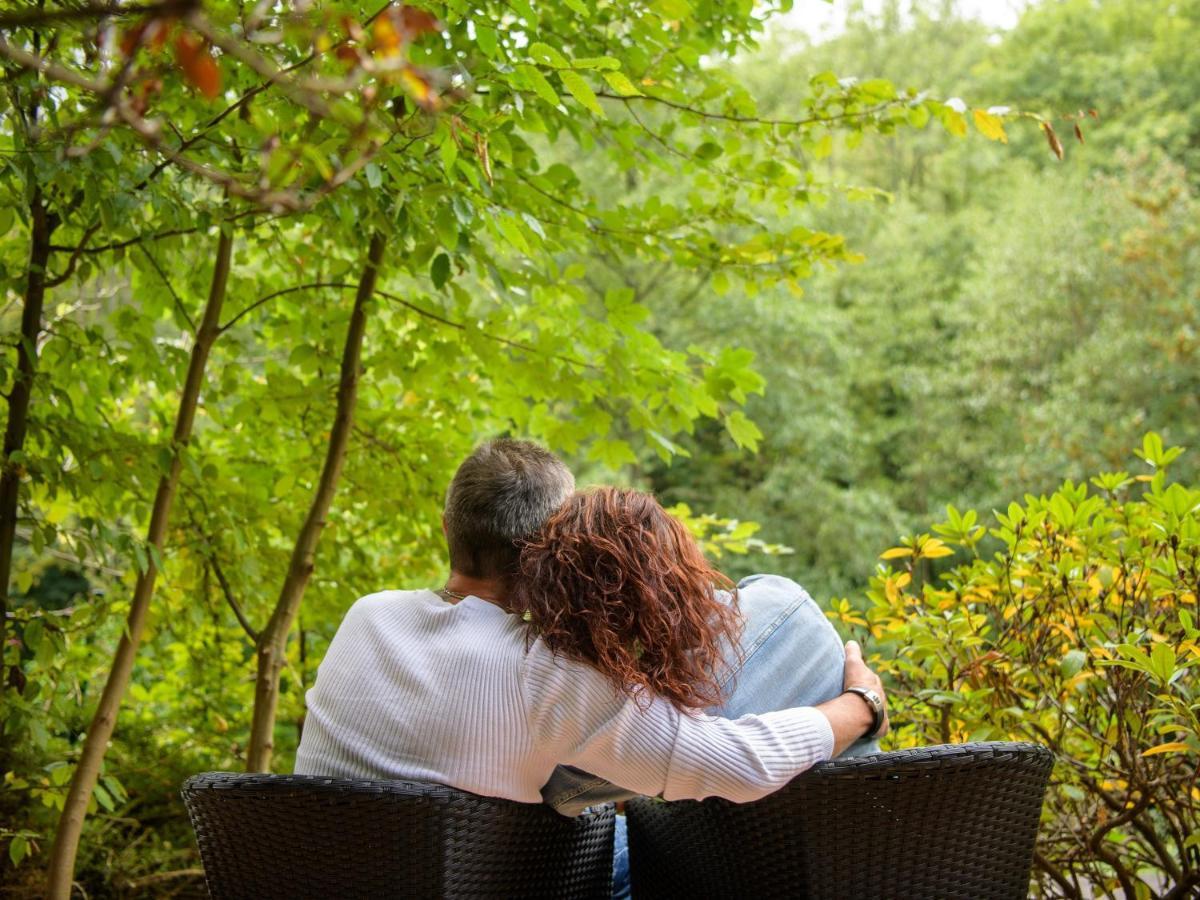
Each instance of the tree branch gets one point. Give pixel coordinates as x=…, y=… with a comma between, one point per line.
x=518, y=345
x=52, y=69
x=752, y=120
x=74, y=260
x=227, y=590
x=409, y=305
x=1069, y=890
x=174, y=296
x=90, y=11
x=120, y=245
x=290, y=290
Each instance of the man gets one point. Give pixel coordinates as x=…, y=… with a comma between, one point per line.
x=444, y=686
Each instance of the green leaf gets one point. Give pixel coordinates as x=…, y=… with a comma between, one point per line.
x=1072, y=663
x=139, y=553
x=595, y=62
x=115, y=788
x=621, y=84
x=952, y=120
x=448, y=152
x=612, y=453
x=103, y=797
x=485, y=37
x=512, y=232
x=546, y=55
x=744, y=432
x=877, y=90
x=1162, y=662
x=446, y=225
x=673, y=9
x=918, y=116
x=33, y=634
x=439, y=270
x=18, y=849
x=581, y=91
x=536, y=82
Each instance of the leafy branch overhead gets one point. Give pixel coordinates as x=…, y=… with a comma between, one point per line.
x=450, y=118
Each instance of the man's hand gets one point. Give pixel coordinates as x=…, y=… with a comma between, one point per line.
x=849, y=715
x=859, y=674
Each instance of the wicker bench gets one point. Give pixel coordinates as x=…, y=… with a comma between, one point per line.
x=955, y=821
x=295, y=836
x=945, y=822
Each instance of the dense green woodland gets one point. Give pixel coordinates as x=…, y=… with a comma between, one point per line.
x=791, y=286
x=1016, y=320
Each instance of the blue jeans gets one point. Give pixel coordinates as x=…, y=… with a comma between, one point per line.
x=791, y=656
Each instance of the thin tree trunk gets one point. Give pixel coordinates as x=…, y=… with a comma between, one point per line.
x=43, y=224
x=70, y=823
x=272, y=640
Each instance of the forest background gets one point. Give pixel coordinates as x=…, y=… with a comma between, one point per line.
x=999, y=318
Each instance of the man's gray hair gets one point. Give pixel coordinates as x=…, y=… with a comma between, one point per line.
x=502, y=492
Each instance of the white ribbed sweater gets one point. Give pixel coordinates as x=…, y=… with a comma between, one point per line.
x=415, y=687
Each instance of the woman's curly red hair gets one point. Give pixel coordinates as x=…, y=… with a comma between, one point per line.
x=615, y=581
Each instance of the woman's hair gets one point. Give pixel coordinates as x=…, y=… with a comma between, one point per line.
x=613, y=580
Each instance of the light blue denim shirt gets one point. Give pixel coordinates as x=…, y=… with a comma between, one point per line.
x=791, y=656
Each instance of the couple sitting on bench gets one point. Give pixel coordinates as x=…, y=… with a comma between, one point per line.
x=584, y=651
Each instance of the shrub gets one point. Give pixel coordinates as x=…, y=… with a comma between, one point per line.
x=1078, y=632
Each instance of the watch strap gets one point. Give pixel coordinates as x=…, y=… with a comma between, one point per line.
x=875, y=703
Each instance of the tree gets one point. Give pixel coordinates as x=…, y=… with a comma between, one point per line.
x=272, y=642
x=87, y=771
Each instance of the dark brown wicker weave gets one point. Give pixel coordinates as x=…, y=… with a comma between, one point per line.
x=295, y=836
x=938, y=823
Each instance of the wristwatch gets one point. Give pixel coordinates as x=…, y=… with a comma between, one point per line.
x=874, y=701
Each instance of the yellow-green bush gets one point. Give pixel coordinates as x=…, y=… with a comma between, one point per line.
x=1079, y=633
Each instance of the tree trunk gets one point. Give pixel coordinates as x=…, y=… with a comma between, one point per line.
x=43, y=224
x=272, y=641
x=70, y=823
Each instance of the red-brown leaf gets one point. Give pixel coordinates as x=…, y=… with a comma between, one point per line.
x=131, y=38
x=416, y=22
x=1078, y=133
x=1055, y=144
x=485, y=158
x=197, y=64
x=151, y=33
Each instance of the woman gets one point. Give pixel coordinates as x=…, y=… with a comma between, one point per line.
x=774, y=647
x=613, y=581
x=616, y=583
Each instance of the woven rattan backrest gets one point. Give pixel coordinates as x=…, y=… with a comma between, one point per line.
x=294, y=836
x=944, y=822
